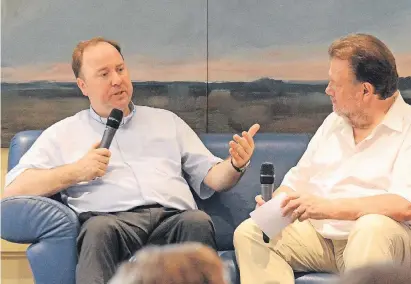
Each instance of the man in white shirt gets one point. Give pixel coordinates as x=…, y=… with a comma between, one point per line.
x=136, y=192
x=350, y=193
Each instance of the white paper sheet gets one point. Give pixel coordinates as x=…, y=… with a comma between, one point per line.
x=268, y=216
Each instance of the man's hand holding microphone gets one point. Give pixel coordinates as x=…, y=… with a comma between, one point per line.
x=94, y=163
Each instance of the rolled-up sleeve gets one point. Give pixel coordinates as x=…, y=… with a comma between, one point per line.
x=41, y=155
x=197, y=160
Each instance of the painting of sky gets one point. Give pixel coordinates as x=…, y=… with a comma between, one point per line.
x=182, y=40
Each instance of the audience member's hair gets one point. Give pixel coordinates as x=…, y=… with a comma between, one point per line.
x=378, y=274
x=77, y=57
x=188, y=263
x=371, y=61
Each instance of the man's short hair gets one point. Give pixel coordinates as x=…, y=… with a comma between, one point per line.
x=77, y=57
x=371, y=61
x=189, y=263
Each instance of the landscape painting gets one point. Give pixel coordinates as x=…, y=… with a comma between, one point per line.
x=220, y=65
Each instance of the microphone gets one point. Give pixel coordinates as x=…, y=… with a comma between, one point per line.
x=267, y=186
x=113, y=122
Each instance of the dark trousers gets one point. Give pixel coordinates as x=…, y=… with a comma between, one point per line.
x=107, y=239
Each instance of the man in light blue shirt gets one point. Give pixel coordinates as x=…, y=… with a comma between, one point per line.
x=136, y=192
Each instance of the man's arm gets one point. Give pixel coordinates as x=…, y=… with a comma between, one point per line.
x=43, y=182
x=395, y=203
x=224, y=176
x=391, y=205
x=307, y=206
x=46, y=182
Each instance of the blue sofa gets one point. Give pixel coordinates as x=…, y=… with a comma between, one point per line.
x=51, y=227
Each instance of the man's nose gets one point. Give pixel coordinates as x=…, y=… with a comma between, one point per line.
x=328, y=90
x=116, y=79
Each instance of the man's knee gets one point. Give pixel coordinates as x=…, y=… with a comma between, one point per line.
x=100, y=228
x=196, y=219
x=245, y=230
x=376, y=224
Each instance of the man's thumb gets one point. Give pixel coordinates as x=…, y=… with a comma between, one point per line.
x=95, y=145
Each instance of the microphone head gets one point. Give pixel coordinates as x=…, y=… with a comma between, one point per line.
x=267, y=173
x=115, y=118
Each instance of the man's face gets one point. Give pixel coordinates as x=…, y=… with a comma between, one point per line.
x=104, y=79
x=345, y=92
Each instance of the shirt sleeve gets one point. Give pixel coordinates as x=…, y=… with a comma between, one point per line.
x=299, y=174
x=41, y=155
x=401, y=174
x=197, y=160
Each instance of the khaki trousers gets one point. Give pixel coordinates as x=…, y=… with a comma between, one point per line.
x=374, y=239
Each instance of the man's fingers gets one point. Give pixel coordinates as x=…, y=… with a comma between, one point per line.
x=240, y=150
x=103, y=152
x=254, y=129
x=296, y=214
x=290, y=207
x=304, y=216
x=248, y=138
x=95, y=145
x=101, y=172
x=241, y=141
x=103, y=159
x=235, y=156
x=260, y=201
x=288, y=198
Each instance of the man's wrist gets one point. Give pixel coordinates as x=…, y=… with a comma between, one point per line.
x=73, y=174
x=240, y=169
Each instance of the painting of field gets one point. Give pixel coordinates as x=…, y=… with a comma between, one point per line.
x=214, y=107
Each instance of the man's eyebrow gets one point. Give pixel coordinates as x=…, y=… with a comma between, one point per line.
x=102, y=69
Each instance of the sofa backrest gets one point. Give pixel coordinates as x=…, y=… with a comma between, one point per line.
x=19, y=145
x=227, y=209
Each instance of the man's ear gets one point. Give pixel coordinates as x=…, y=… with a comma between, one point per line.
x=82, y=85
x=368, y=89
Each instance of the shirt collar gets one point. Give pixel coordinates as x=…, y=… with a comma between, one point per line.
x=394, y=119
x=103, y=120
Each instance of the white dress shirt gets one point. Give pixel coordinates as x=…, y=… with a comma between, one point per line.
x=333, y=166
x=151, y=154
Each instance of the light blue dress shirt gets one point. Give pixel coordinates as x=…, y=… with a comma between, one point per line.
x=151, y=153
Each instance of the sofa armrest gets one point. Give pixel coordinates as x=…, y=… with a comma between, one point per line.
x=29, y=219
x=51, y=228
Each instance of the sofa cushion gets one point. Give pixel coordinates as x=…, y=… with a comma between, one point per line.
x=230, y=265
x=315, y=278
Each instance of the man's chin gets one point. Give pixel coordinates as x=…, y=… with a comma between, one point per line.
x=339, y=112
x=336, y=110
x=123, y=107
x=122, y=104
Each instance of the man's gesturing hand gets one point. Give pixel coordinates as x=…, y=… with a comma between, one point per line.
x=242, y=148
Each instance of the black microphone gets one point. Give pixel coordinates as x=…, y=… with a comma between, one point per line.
x=113, y=122
x=267, y=186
